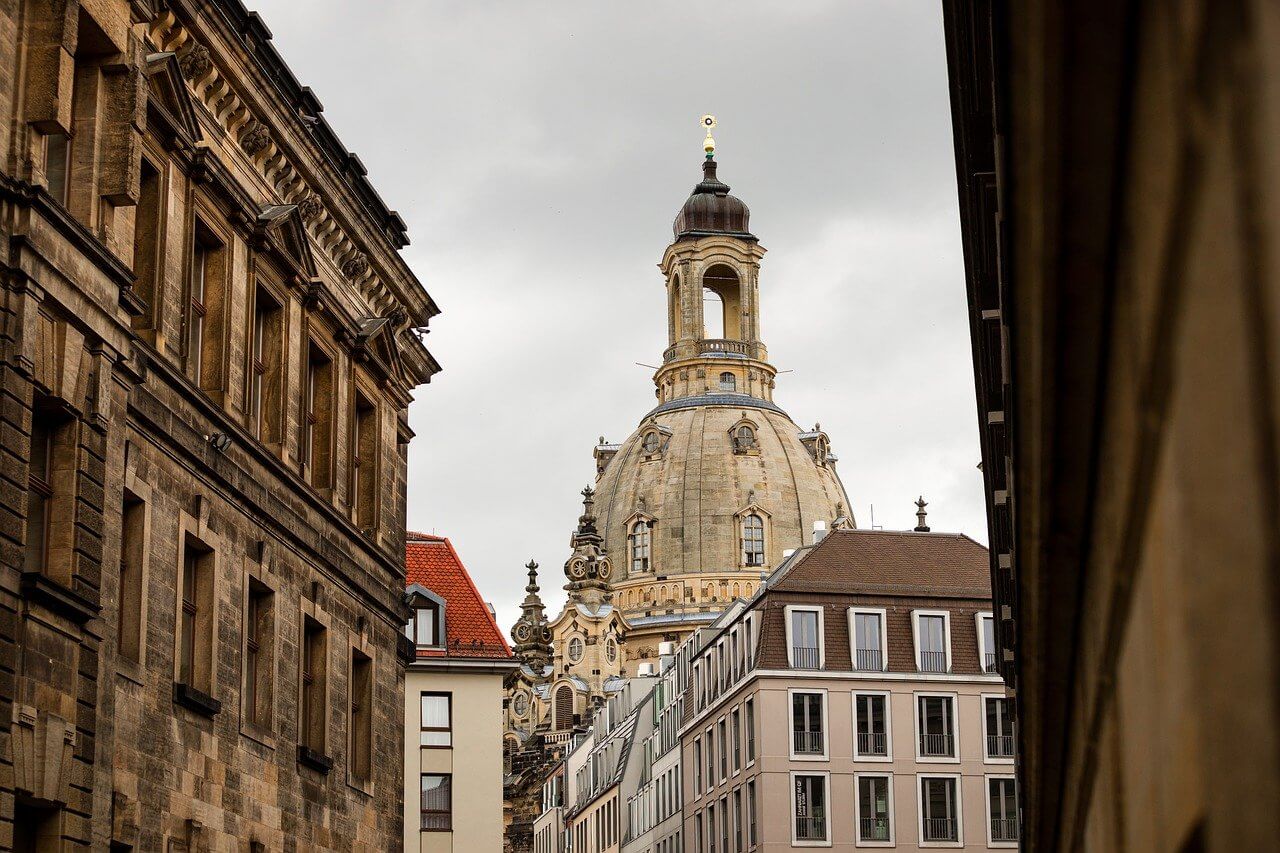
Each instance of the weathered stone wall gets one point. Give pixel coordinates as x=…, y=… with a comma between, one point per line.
x=100, y=745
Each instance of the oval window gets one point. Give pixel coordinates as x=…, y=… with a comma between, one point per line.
x=575, y=649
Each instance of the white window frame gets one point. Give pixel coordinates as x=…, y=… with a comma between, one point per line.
x=857, y=810
x=709, y=753
x=946, y=635
x=959, y=842
x=826, y=806
x=749, y=732
x=983, y=651
x=826, y=725
x=986, y=755
x=853, y=642
x=699, y=768
x=888, y=724
x=822, y=651
x=955, y=727
x=986, y=809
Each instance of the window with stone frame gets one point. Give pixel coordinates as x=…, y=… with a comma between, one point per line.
x=364, y=462
x=318, y=397
x=52, y=474
x=133, y=550
x=360, y=717
x=206, y=300
x=641, y=545
x=147, y=231
x=259, y=654
x=752, y=540
x=313, y=672
x=196, y=616
x=265, y=372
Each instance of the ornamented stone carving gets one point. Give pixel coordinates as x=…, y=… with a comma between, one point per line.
x=310, y=207
x=255, y=139
x=355, y=266
x=195, y=63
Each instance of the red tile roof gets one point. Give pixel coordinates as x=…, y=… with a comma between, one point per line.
x=469, y=627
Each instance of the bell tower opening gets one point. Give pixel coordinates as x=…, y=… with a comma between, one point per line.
x=722, y=303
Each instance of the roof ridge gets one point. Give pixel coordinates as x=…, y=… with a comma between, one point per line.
x=476, y=591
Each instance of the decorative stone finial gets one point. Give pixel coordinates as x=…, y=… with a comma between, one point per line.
x=921, y=527
x=709, y=144
x=532, y=588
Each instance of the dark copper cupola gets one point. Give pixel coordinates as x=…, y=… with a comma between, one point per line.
x=711, y=210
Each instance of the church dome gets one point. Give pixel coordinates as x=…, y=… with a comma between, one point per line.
x=683, y=500
x=711, y=210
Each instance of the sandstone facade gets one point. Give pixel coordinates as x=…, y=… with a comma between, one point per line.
x=207, y=360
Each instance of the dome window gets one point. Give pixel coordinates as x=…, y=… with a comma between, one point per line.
x=652, y=443
x=641, y=545
x=728, y=382
x=575, y=650
x=744, y=436
x=752, y=540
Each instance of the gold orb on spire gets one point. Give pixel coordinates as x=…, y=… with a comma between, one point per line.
x=709, y=144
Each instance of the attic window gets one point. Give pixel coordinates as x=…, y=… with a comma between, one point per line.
x=424, y=626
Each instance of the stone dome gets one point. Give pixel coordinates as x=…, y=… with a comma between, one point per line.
x=711, y=210
x=691, y=471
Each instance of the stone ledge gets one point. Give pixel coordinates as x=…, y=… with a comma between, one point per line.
x=317, y=761
x=39, y=587
x=195, y=700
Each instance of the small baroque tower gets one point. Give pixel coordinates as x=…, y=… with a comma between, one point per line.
x=588, y=568
x=531, y=634
x=717, y=482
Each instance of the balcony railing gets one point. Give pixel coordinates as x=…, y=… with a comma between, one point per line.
x=933, y=661
x=807, y=743
x=1004, y=829
x=872, y=743
x=1000, y=746
x=989, y=663
x=804, y=657
x=811, y=829
x=868, y=660
x=937, y=745
x=940, y=829
x=873, y=829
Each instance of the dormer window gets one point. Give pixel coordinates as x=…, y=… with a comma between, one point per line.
x=641, y=545
x=728, y=382
x=424, y=626
x=744, y=439
x=652, y=442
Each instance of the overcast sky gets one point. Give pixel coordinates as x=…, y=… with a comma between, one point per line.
x=539, y=152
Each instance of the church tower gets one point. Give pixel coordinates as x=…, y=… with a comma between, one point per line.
x=717, y=482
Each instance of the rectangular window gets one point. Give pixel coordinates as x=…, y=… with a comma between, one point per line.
x=206, y=251
x=939, y=809
x=39, y=493
x=873, y=808
x=724, y=750
x=937, y=726
x=805, y=650
x=999, y=720
x=809, y=807
x=315, y=648
x=807, y=736
x=195, y=656
x=57, y=166
x=724, y=824
x=364, y=463
x=931, y=642
x=872, y=721
x=697, y=825
x=751, y=813
x=737, y=740
x=146, y=236
x=868, y=641
x=424, y=626
x=437, y=719
x=751, y=730
x=697, y=766
x=711, y=760
x=1002, y=809
x=711, y=828
x=317, y=418
x=132, y=553
x=437, y=801
x=259, y=658
x=987, y=642
x=266, y=350
x=360, y=717
x=737, y=819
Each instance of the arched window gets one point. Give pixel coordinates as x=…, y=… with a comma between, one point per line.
x=575, y=650
x=744, y=438
x=728, y=382
x=753, y=540
x=641, y=543
x=564, y=707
